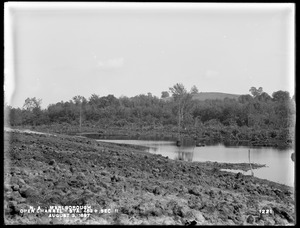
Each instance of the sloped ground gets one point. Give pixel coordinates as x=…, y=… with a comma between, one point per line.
x=47, y=170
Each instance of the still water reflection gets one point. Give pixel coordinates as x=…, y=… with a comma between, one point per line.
x=280, y=167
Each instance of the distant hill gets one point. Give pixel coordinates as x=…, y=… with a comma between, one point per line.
x=209, y=96
x=213, y=96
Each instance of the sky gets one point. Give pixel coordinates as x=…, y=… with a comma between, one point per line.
x=57, y=51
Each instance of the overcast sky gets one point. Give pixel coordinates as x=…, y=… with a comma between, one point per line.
x=55, y=52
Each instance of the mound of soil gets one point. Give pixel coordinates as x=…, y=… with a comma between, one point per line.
x=125, y=185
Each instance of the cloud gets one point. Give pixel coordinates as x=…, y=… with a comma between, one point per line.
x=211, y=74
x=111, y=63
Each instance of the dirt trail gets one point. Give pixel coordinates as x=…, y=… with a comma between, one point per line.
x=46, y=170
x=7, y=129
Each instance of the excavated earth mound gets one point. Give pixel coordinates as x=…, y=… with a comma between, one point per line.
x=118, y=184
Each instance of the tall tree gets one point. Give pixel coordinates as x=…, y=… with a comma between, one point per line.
x=178, y=91
x=194, y=90
x=32, y=110
x=94, y=99
x=164, y=94
x=32, y=103
x=255, y=92
x=182, y=98
x=80, y=100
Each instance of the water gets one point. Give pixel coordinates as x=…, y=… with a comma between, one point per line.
x=280, y=167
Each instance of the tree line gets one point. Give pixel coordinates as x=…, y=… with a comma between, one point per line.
x=256, y=110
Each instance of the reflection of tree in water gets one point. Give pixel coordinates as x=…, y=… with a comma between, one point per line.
x=151, y=149
x=185, y=155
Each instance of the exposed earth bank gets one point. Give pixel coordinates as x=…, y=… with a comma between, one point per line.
x=50, y=170
x=281, y=138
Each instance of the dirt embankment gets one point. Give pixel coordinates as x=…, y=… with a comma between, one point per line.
x=47, y=170
x=282, y=138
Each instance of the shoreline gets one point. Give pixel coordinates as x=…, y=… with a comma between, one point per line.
x=247, y=136
x=145, y=188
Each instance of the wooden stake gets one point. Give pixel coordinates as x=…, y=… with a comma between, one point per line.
x=80, y=120
x=250, y=162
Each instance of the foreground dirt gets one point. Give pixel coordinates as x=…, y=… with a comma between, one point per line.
x=48, y=170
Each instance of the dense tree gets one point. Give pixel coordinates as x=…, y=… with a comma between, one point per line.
x=256, y=92
x=31, y=113
x=13, y=116
x=178, y=91
x=94, y=100
x=245, y=99
x=164, y=94
x=264, y=97
x=194, y=90
x=79, y=100
x=32, y=103
x=259, y=112
x=281, y=96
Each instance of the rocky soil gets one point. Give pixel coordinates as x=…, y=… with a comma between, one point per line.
x=48, y=170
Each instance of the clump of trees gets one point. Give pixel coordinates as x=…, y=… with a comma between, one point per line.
x=257, y=110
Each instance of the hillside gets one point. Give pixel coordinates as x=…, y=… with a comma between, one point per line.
x=209, y=96
x=214, y=95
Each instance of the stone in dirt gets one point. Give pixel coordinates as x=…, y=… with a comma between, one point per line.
x=15, y=187
x=52, y=162
x=157, y=191
x=27, y=191
x=250, y=219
